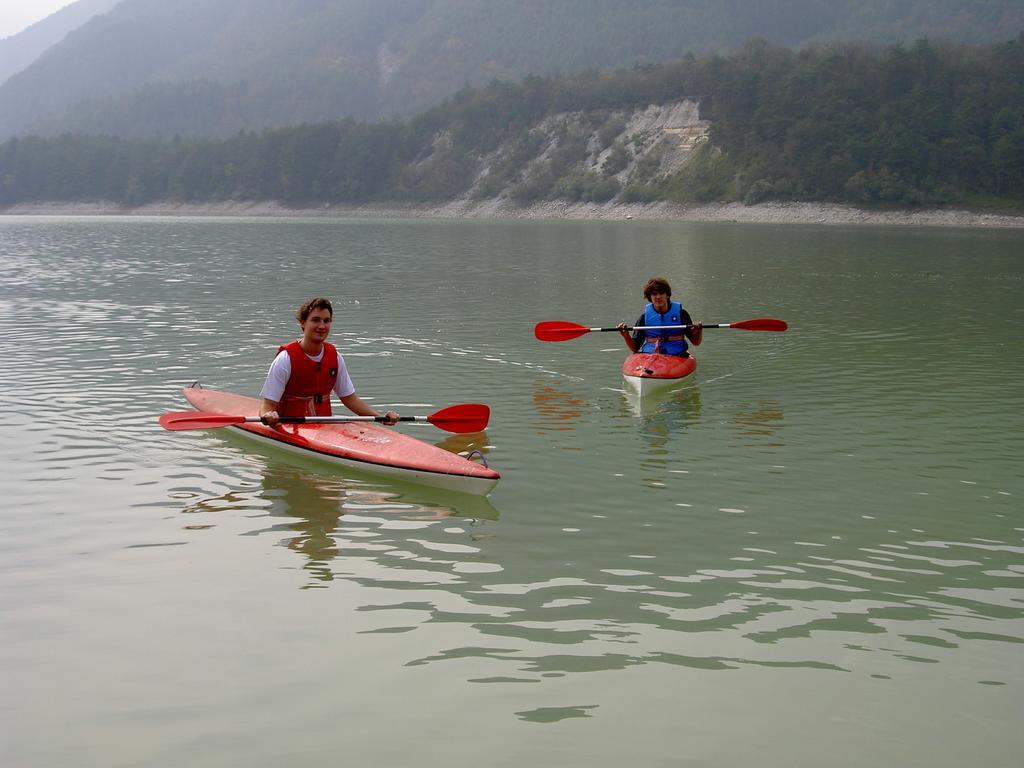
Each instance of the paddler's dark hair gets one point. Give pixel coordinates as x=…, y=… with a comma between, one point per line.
x=659, y=284
x=318, y=303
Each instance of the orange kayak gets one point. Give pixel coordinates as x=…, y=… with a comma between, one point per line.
x=647, y=373
x=361, y=445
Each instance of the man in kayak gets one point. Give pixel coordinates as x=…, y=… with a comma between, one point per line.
x=306, y=371
x=663, y=311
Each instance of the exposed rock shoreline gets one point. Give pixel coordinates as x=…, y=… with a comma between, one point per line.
x=764, y=213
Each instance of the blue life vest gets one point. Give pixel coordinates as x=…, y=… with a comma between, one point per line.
x=673, y=342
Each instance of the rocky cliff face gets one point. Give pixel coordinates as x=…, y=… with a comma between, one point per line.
x=595, y=155
x=672, y=132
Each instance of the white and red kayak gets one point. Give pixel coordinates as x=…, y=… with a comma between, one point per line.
x=646, y=373
x=360, y=445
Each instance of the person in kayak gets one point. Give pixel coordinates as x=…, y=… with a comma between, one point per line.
x=305, y=372
x=661, y=310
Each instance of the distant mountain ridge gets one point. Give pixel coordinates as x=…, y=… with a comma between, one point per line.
x=930, y=124
x=215, y=67
x=20, y=50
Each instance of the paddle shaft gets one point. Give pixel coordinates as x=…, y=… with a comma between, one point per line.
x=660, y=327
x=329, y=419
x=461, y=419
x=560, y=330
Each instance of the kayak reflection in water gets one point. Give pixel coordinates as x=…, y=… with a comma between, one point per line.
x=661, y=310
x=306, y=371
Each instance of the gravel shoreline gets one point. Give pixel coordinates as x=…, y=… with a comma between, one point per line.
x=764, y=213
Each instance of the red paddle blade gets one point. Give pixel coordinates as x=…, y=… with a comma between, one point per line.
x=462, y=419
x=192, y=420
x=761, y=324
x=558, y=330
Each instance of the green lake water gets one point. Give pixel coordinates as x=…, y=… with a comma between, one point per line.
x=811, y=554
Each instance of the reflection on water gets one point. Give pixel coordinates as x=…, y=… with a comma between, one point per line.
x=312, y=507
x=763, y=419
x=680, y=406
x=556, y=409
x=473, y=445
x=662, y=418
x=324, y=517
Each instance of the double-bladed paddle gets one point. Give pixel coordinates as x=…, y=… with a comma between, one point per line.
x=468, y=417
x=560, y=330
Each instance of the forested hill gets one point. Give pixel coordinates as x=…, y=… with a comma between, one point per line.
x=924, y=124
x=214, y=67
x=20, y=50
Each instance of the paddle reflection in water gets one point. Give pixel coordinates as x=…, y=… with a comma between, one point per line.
x=466, y=444
x=557, y=409
x=761, y=422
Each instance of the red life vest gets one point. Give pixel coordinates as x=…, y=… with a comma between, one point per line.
x=308, y=392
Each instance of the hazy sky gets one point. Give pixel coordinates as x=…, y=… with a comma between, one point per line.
x=15, y=15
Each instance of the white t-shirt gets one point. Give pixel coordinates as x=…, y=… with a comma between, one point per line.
x=281, y=370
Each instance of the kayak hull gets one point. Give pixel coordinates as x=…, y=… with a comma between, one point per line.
x=360, y=445
x=646, y=374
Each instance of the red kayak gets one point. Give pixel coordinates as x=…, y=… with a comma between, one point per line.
x=361, y=445
x=647, y=372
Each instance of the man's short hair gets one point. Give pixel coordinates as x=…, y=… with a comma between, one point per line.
x=318, y=303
